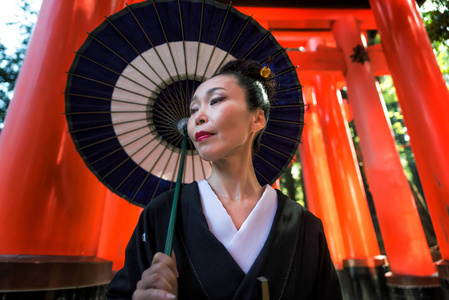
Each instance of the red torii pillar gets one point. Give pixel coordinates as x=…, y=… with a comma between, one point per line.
x=424, y=98
x=317, y=179
x=50, y=204
x=402, y=232
x=363, y=256
x=119, y=220
x=358, y=231
x=355, y=219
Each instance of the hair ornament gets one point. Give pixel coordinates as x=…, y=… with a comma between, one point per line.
x=266, y=71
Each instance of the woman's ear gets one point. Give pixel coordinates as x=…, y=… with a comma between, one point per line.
x=259, y=121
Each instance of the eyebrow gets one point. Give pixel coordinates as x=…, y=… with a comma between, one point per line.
x=209, y=91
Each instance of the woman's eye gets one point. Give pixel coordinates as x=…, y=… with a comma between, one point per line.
x=216, y=100
x=193, y=110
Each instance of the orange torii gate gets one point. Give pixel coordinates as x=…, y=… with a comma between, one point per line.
x=51, y=205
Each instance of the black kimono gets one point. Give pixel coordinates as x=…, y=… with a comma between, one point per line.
x=295, y=258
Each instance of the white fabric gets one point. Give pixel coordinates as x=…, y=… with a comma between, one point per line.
x=244, y=244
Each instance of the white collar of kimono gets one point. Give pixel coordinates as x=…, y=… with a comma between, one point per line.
x=244, y=244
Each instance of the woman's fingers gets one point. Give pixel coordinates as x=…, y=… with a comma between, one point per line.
x=160, y=280
x=163, y=259
x=152, y=294
x=157, y=277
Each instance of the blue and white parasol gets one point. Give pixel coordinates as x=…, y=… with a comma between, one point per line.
x=131, y=82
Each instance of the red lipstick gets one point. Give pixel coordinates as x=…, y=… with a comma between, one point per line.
x=202, y=135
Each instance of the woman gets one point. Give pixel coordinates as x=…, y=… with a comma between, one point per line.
x=230, y=230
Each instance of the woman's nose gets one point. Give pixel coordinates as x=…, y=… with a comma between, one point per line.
x=201, y=117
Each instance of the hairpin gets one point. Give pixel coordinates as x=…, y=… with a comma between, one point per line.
x=266, y=71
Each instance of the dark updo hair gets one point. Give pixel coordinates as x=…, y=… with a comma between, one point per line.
x=258, y=90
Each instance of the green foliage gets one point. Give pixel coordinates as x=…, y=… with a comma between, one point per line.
x=9, y=70
x=292, y=183
x=435, y=14
x=10, y=63
x=442, y=55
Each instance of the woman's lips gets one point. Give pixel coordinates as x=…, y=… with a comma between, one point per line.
x=202, y=135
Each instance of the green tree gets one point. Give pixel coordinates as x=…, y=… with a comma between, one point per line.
x=435, y=15
x=10, y=63
x=292, y=181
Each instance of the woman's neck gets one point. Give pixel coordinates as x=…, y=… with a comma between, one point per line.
x=236, y=186
x=234, y=179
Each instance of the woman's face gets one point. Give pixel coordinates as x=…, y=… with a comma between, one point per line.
x=220, y=124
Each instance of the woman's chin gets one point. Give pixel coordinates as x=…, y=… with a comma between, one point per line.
x=207, y=157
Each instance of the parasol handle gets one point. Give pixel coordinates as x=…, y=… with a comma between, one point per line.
x=174, y=208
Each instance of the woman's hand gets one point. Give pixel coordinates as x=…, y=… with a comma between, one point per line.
x=160, y=280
